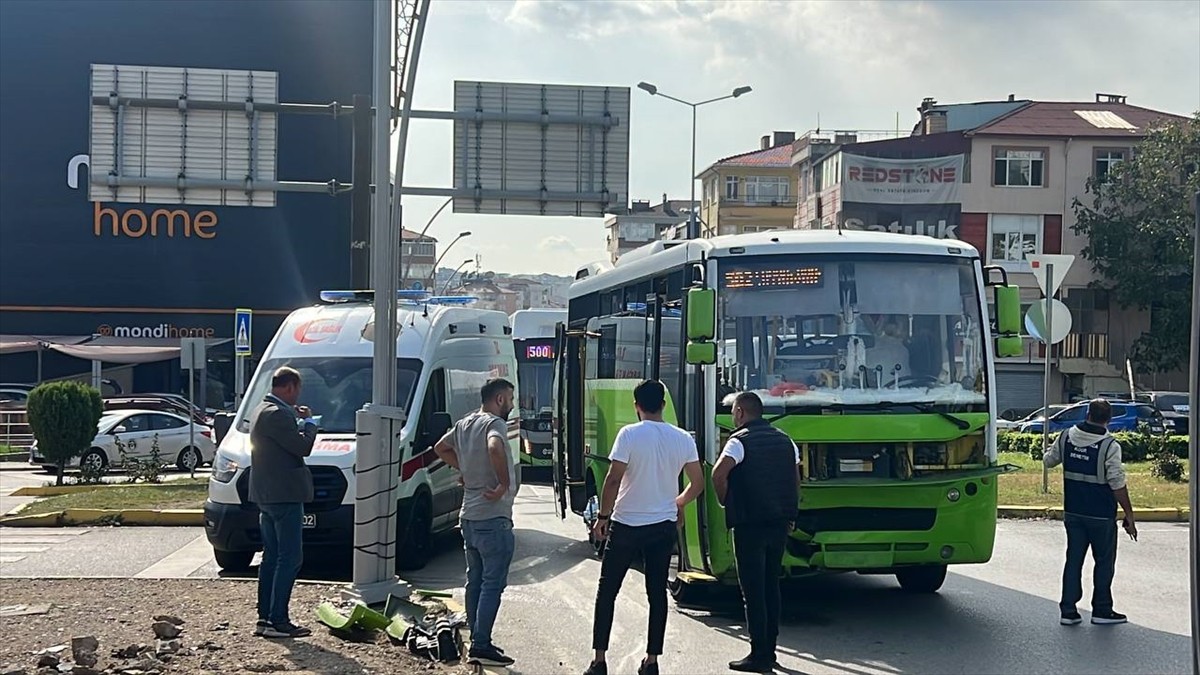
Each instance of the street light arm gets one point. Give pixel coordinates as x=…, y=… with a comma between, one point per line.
x=420, y=237
x=677, y=100
x=714, y=100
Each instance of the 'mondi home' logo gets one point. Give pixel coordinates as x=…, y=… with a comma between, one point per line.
x=136, y=223
x=162, y=330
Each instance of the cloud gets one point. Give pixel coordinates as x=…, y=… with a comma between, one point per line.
x=557, y=244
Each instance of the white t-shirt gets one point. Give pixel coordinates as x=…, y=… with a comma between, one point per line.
x=737, y=452
x=655, y=453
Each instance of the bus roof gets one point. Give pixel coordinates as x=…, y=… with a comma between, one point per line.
x=537, y=322
x=656, y=256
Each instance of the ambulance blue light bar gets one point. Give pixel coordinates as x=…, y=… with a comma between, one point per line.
x=369, y=296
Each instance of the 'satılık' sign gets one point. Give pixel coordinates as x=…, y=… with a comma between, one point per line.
x=874, y=180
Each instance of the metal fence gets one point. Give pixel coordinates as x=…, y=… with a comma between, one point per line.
x=14, y=429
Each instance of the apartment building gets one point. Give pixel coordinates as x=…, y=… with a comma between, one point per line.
x=645, y=223
x=750, y=192
x=1002, y=176
x=417, y=257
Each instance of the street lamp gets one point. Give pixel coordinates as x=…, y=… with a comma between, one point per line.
x=446, y=288
x=693, y=230
x=437, y=262
x=421, y=236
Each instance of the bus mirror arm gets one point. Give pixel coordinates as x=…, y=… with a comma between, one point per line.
x=987, y=275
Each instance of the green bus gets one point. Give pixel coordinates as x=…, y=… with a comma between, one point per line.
x=534, y=342
x=873, y=351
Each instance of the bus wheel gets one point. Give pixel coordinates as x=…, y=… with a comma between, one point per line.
x=685, y=594
x=921, y=578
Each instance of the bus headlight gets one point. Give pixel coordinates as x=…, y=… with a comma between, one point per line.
x=952, y=494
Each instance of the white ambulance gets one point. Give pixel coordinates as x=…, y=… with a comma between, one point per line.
x=446, y=350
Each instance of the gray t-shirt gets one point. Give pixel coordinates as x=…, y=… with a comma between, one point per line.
x=469, y=438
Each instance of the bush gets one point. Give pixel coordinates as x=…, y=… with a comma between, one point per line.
x=149, y=469
x=1166, y=466
x=63, y=416
x=1135, y=446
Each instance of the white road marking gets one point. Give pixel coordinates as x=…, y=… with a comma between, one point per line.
x=180, y=564
x=11, y=558
x=9, y=548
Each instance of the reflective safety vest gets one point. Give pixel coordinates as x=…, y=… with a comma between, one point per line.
x=1085, y=480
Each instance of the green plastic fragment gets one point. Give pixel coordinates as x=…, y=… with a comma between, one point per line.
x=360, y=617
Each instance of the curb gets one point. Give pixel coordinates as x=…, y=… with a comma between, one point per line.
x=58, y=490
x=1056, y=513
x=68, y=517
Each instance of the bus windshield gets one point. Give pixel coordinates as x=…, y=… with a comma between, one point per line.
x=334, y=387
x=851, y=330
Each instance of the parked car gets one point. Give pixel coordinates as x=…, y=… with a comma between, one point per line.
x=1013, y=425
x=156, y=402
x=1126, y=416
x=139, y=428
x=1174, y=406
x=14, y=395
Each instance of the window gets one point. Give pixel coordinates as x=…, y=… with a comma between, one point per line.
x=766, y=189
x=136, y=424
x=1106, y=159
x=1019, y=168
x=1014, y=238
x=706, y=191
x=831, y=172
x=1089, y=309
x=731, y=187
x=165, y=422
x=423, y=249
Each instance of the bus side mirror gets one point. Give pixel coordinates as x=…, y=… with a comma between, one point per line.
x=701, y=314
x=1008, y=321
x=701, y=353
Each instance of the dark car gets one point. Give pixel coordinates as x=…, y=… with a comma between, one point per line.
x=161, y=403
x=1174, y=406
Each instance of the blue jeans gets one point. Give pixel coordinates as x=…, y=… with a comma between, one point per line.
x=282, y=527
x=489, y=547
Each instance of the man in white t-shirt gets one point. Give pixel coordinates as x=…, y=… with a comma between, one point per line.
x=640, y=506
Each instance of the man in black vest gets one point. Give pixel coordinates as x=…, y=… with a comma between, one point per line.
x=1093, y=485
x=757, y=479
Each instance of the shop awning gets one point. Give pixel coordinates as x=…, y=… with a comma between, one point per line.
x=17, y=344
x=124, y=350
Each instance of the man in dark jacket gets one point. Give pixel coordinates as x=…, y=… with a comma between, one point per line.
x=757, y=479
x=280, y=484
x=1093, y=485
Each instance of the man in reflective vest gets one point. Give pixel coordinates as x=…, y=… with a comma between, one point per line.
x=1093, y=485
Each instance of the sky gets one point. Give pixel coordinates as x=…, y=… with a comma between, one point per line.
x=846, y=64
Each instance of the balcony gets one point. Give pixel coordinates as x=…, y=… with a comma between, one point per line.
x=1085, y=346
x=789, y=201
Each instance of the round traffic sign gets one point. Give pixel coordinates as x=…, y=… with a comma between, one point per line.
x=418, y=286
x=1035, y=321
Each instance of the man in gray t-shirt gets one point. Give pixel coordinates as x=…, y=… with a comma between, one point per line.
x=478, y=447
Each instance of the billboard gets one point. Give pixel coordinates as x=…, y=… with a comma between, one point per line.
x=940, y=221
x=541, y=149
x=875, y=180
x=70, y=264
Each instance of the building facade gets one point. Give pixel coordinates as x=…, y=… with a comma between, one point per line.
x=643, y=224
x=751, y=192
x=1001, y=176
x=417, y=258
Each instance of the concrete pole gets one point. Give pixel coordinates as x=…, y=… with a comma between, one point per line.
x=1194, y=436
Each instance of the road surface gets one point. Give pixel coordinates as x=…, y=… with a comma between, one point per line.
x=996, y=618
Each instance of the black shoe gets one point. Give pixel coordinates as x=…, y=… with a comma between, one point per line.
x=648, y=668
x=261, y=627
x=597, y=668
x=286, y=630
x=1109, y=617
x=1071, y=619
x=488, y=656
x=752, y=665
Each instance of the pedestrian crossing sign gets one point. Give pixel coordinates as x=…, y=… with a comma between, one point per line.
x=241, y=332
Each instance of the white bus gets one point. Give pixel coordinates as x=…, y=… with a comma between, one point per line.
x=533, y=340
x=445, y=352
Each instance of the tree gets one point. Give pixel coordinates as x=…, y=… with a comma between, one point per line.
x=63, y=416
x=1139, y=229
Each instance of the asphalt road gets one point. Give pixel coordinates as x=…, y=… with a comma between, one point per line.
x=996, y=618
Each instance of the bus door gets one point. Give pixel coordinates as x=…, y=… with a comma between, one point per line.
x=569, y=468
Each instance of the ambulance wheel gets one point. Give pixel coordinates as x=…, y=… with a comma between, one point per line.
x=684, y=593
x=921, y=578
x=234, y=561
x=418, y=537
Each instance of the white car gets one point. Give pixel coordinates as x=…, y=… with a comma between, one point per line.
x=1036, y=415
x=137, y=429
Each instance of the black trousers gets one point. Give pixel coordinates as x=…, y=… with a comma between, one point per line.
x=653, y=544
x=758, y=548
x=1100, y=535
